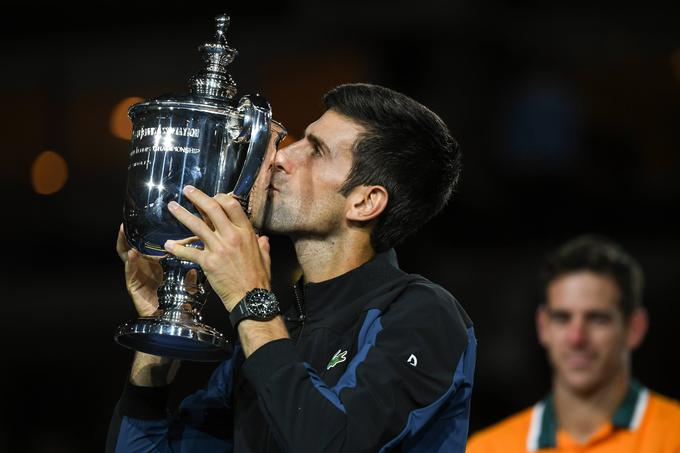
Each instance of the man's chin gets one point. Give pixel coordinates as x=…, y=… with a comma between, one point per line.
x=582, y=382
x=261, y=212
x=264, y=223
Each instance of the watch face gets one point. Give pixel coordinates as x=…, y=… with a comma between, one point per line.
x=262, y=304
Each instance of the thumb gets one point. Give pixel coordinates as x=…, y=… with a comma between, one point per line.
x=263, y=242
x=133, y=255
x=131, y=261
x=122, y=247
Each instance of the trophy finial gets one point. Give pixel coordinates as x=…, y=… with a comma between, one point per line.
x=222, y=25
x=214, y=81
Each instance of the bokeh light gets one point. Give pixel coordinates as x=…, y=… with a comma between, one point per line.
x=49, y=173
x=120, y=124
x=675, y=64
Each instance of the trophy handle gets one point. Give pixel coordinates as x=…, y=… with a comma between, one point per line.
x=257, y=115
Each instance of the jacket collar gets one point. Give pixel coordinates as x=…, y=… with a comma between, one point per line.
x=543, y=426
x=322, y=298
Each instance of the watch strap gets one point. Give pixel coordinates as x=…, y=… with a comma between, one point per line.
x=238, y=314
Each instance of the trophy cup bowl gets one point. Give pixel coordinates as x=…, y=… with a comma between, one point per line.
x=207, y=140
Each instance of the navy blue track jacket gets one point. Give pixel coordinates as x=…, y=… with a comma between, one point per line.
x=382, y=361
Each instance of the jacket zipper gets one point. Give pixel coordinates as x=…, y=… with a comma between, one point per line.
x=300, y=308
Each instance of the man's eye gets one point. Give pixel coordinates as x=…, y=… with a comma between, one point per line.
x=600, y=318
x=560, y=318
x=316, y=151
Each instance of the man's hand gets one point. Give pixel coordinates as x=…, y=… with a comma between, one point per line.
x=143, y=276
x=234, y=259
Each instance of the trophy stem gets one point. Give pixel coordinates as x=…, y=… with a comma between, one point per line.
x=175, y=329
x=183, y=289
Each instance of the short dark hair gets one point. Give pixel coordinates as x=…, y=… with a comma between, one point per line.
x=603, y=256
x=405, y=148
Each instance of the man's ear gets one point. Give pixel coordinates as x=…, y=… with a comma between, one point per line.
x=637, y=328
x=366, y=203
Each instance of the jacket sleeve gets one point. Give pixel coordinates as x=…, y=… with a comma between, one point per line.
x=142, y=423
x=409, y=383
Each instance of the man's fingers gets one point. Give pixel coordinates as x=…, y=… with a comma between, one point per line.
x=128, y=253
x=210, y=210
x=232, y=207
x=186, y=253
x=189, y=240
x=196, y=225
x=206, y=218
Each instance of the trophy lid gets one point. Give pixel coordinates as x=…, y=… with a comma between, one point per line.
x=214, y=81
x=211, y=90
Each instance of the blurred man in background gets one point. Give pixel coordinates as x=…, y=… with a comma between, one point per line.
x=590, y=323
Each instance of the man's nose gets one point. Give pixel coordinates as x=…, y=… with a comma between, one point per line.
x=577, y=333
x=284, y=159
x=288, y=157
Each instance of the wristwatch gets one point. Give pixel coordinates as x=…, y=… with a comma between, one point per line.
x=258, y=304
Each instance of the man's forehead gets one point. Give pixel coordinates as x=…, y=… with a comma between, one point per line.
x=583, y=291
x=335, y=129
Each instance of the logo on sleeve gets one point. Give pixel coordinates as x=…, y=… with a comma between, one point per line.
x=412, y=360
x=339, y=357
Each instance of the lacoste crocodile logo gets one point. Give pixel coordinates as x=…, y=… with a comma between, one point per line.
x=338, y=357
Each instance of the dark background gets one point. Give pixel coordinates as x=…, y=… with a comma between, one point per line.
x=568, y=117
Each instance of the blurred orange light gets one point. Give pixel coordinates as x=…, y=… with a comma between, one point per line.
x=675, y=64
x=120, y=124
x=49, y=173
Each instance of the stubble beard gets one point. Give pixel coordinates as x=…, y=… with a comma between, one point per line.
x=295, y=221
x=589, y=382
x=273, y=219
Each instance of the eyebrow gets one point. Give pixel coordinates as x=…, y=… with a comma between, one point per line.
x=594, y=312
x=318, y=142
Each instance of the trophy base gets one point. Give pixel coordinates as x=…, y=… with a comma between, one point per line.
x=178, y=340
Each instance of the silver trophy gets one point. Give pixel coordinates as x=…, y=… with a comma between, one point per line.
x=208, y=140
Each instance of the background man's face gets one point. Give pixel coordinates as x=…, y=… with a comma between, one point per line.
x=304, y=199
x=584, y=331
